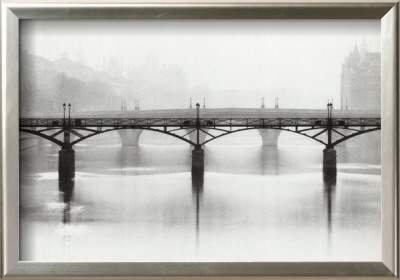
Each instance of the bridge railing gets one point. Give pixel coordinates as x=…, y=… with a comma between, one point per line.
x=192, y=122
x=41, y=122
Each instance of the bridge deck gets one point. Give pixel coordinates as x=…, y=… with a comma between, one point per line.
x=191, y=122
x=222, y=113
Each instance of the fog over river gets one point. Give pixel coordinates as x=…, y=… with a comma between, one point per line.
x=254, y=203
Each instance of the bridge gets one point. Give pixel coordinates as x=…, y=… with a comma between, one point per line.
x=196, y=130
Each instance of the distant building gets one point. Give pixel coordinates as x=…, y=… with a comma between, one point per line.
x=113, y=67
x=361, y=80
x=72, y=68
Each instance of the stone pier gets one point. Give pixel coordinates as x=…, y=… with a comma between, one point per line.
x=66, y=159
x=66, y=164
x=269, y=136
x=130, y=137
x=329, y=162
x=198, y=161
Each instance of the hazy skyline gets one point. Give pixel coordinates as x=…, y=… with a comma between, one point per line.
x=298, y=61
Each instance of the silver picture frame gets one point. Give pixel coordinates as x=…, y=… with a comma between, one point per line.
x=11, y=14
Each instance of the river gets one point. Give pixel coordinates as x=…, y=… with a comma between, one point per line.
x=254, y=203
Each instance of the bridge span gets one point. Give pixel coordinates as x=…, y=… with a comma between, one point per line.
x=188, y=126
x=220, y=113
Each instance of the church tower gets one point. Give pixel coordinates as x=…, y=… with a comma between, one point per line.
x=361, y=79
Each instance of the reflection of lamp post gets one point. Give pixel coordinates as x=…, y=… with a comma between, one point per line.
x=69, y=113
x=198, y=124
x=64, y=113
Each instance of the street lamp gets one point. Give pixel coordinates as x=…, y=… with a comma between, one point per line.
x=69, y=113
x=198, y=125
x=329, y=105
x=329, y=124
x=64, y=113
x=198, y=110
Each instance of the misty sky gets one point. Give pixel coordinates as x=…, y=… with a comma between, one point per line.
x=297, y=60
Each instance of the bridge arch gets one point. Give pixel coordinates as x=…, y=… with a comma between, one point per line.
x=252, y=128
x=148, y=129
x=45, y=136
x=204, y=131
x=353, y=135
x=343, y=138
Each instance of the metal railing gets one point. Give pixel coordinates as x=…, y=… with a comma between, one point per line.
x=191, y=122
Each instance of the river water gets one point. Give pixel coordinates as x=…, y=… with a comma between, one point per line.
x=254, y=203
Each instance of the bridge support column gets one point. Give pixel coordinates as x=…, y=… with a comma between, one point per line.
x=66, y=159
x=130, y=137
x=269, y=136
x=197, y=161
x=66, y=164
x=329, y=162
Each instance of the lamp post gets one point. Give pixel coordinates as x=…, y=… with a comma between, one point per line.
x=69, y=113
x=66, y=160
x=198, y=153
x=329, y=153
x=198, y=124
x=64, y=113
x=329, y=106
x=329, y=123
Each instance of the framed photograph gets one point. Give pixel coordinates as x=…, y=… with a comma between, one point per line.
x=200, y=140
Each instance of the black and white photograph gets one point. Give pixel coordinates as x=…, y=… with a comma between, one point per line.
x=200, y=140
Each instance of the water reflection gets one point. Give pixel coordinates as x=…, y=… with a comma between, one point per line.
x=130, y=156
x=276, y=194
x=329, y=196
x=270, y=160
x=349, y=157
x=329, y=192
x=66, y=194
x=197, y=193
